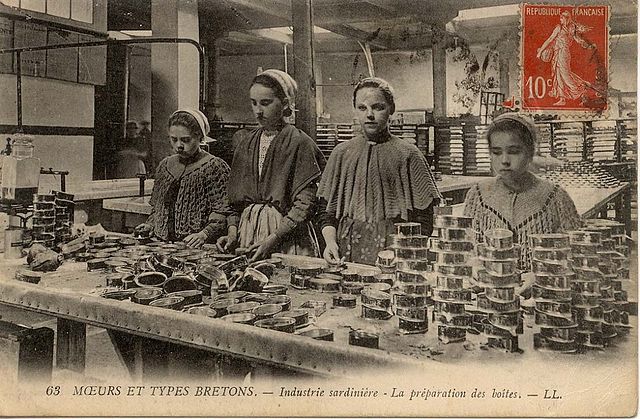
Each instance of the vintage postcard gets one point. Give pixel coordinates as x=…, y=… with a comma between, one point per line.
x=318, y=208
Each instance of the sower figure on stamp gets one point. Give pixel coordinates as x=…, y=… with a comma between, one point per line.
x=557, y=50
x=373, y=181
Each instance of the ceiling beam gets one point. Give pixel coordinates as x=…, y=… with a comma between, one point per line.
x=279, y=9
x=272, y=35
x=357, y=34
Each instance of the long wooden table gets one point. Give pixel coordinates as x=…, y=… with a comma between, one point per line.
x=144, y=336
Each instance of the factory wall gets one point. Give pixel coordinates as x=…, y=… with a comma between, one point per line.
x=410, y=74
x=54, y=103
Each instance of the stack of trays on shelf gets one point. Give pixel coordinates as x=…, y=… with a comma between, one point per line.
x=456, y=150
x=476, y=150
x=553, y=293
x=628, y=139
x=326, y=138
x=499, y=301
x=44, y=219
x=411, y=260
x=453, y=249
x=568, y=140
x=406, y=132
x=65, y=207
x=450, y=149
x=544, y=139
x=344, y=132
x=602, y=141
x=581, y=175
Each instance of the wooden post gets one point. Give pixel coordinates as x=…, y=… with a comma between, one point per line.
x=439, y=59
x=71, y=345
x=302, y=16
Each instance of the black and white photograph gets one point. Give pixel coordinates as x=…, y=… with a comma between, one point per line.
x=271, y=208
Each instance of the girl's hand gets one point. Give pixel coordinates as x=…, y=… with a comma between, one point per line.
x=332, y=254
x=264, y=248
x=227, y=243
x=196, y=239
x=143, y=230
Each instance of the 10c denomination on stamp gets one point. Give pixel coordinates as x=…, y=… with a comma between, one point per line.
x=564, y=58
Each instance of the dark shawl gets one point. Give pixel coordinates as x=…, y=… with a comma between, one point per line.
x=293, y=161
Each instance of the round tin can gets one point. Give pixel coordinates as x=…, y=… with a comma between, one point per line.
x=237, y=295
x=281, y=324
x=266, y=310
x=301, y=317
x=27, y=275
x=242, y=307
x=319, y=334
x=118, y=295
x=96, y=264
x=221, y=305
x=173, y=303
x=408, y=326
x=202, y=311
x=378, y=286
x=499, y=238
x=344, y=300
x=354, y=288
x=375, y=313
x=146, y=295
x=242, y=318
x=362, y=338
x=408, y=229
x=324, y=284
x=150, y=279
x=283, y=300
x=190, y=296
x=178, y=283
x=275, y=289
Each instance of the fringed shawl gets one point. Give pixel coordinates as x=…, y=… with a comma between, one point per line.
x=292, y=162
x=374, y=182
x=201, y=196
x=542, y=208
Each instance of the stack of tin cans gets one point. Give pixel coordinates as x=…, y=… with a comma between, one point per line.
x=412, y=295
x=44, y=219
x=411, y=247
x=499, y=302
x=64, y=207
x=552, y=292
x=453, y=247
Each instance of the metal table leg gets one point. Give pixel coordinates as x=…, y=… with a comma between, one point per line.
x=71, y=345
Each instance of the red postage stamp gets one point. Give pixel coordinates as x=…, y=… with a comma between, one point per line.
x=564, y=58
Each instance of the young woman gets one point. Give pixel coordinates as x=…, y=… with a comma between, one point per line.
x=373, y=181
x=189, y=198
x=516, y=199
x=274, y=173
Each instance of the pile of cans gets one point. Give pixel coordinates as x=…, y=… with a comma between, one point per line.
x=44, y=220
x=599, y=299
x=555, y=286
x=52, y=218
x=64, y=207
x=453, y=247
x=412, y=296
x=499, y=277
